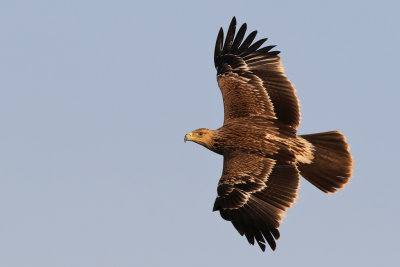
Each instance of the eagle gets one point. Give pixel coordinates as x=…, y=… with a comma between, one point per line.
x=263, y=155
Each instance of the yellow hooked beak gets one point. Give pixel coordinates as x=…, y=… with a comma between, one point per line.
x=188, y=137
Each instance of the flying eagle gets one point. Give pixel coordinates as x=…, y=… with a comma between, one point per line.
x=263, y=156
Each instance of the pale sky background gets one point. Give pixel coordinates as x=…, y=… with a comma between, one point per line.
x=96, y=97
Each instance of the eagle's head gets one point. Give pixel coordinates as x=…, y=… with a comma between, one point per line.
x=201, y=136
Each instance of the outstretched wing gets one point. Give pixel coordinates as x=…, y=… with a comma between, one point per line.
x=253, y=193
x=252, y=79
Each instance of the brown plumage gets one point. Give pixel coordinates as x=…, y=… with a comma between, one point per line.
x=263, y=156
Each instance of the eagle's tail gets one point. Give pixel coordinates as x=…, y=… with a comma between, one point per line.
x=331, y=167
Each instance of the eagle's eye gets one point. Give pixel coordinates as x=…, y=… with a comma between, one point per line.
x=200, y=133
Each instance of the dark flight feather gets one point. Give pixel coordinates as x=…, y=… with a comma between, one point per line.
x=239, y=37
x=253, y=47
x=218, y=46
x=229, y=36
x=247, y=42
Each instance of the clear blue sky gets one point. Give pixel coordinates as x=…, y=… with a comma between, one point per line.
x=95, y=99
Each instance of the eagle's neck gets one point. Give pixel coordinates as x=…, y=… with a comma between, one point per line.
x=217, y=142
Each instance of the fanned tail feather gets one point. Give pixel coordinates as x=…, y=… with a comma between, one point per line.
x=332, y=165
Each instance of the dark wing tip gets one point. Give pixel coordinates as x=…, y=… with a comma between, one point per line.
x=274, y=53
x=262, y=246
x=239, y=37
x=218, y=46
x=247, y=42
x=254, y=47
x=233, y=22
x=229, y=36
x=275, y=233
x=234, y=44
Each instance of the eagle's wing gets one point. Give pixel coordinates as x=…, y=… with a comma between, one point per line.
x=252, y=79
x=253, y=193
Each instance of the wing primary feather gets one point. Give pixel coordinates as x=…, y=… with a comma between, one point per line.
x=239, y=37
x=259, y=237
x=247, y=42
x=218, y=46
x=260, y=240
x=275, y=233
x=274, y=53
x=250, y=236
x=239, y=227
x=265, y=49
x=268, y=237
x=229, y=36
x=253, y=47
x=262, y=245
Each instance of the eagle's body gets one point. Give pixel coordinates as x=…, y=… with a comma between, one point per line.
x=261, y=137
x=263, y=156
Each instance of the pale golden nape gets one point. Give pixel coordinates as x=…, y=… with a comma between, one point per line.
x=202, y=136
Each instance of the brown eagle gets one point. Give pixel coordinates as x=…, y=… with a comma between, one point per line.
x=263, y=156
